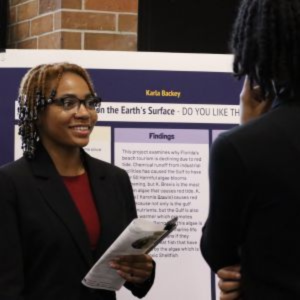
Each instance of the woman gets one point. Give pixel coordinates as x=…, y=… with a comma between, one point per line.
x=60, y=209
x=254, y=197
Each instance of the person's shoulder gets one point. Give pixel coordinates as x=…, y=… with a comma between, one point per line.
x=241, y=137
x=246, y=131
x=14, y=166
x=16, y=170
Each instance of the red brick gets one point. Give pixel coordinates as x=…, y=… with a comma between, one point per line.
x=19, y=32
x=74, y=4
x=71, y=40
x=112, y=5
x=10, y=35
x=101, y=41
x=28, y=44
x=16, y=2
x=42, y=25
x=50, y=41
x=48, y=5
x=52, y=5
x=128, y=23
x=60, y=40
x=27, y=10
x=12, y=15
x=85, y=21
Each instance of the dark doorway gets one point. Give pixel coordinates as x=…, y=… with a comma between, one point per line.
x=3, y=23
x=190, y=26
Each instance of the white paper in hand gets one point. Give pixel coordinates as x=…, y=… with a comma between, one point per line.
x=139, y=237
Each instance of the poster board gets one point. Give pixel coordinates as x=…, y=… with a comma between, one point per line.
x=160, y=114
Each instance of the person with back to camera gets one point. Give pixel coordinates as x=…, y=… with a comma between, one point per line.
x=254, y=168
x=229, y=277
x=60, y=209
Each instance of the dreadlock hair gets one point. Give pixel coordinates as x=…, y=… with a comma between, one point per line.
x=37, y=88
x=266, y=45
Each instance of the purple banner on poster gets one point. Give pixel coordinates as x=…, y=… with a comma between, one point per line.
x=164, y=86
x=157, y=135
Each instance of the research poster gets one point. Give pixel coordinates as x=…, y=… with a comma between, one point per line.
x=159, y=117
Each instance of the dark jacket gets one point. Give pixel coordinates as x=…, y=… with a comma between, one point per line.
x=254, y=216
x=44, y=247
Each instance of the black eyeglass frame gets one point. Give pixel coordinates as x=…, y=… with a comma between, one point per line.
x=61, y=102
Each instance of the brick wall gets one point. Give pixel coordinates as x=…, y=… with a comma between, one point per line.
x=73, y=24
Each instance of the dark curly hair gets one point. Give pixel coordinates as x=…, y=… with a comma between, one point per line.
x=36, y=87
x=266, y=45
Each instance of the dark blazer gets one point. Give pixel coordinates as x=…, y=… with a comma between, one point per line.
x=44, y=247
x=254, y=215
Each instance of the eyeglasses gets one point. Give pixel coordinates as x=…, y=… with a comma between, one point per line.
x=69, y=103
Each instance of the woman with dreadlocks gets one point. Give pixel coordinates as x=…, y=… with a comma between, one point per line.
x=254, y=168
x=60, y=209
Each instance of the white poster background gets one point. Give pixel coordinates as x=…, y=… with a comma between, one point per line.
x=177, y=178
x=191, y=278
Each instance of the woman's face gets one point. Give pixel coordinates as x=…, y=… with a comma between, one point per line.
x=60, y=128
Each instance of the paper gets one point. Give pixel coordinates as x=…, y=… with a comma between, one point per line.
x=140, y=237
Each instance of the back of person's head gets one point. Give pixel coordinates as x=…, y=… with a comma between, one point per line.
x=39, y=85
x=266, y=45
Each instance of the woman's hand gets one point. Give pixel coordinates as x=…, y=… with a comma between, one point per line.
x=229, y=282
x=251, y=103
x=134, y=268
